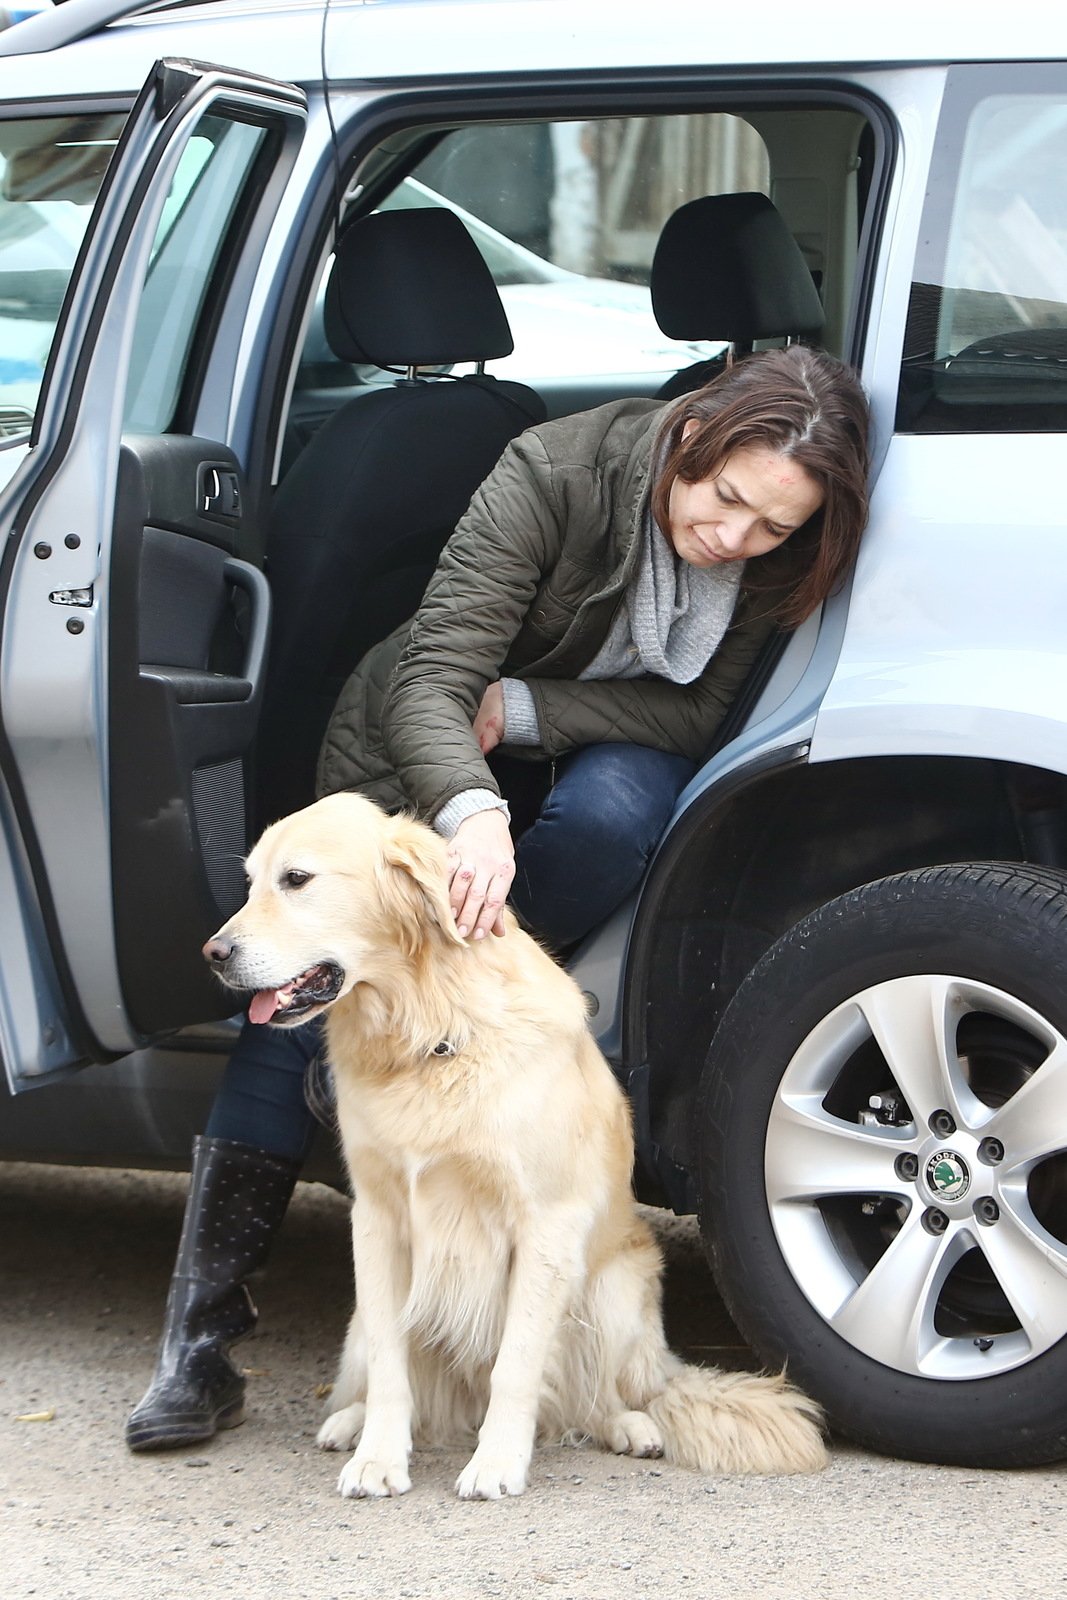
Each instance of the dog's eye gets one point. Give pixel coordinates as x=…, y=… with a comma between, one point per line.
x=295, y=878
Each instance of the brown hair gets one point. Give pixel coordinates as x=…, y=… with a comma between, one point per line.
x=803, y=404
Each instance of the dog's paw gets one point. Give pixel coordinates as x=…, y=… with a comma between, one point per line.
x=364, y=1478
x=488, y=1476
x=632, y=1433
x=342, y=1428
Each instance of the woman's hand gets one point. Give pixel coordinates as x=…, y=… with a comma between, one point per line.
x=489, y=722
x=481, y=863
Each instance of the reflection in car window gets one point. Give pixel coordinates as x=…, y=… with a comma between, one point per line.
x=508, y=261
x=987, y=331
x=51, y=169
x=190, y=240
x=566, y=217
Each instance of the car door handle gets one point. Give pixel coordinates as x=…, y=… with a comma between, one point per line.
x=244, y=576
x=218, y=493
x=192, y=686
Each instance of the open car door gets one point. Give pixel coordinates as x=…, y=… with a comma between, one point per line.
x=134, y=624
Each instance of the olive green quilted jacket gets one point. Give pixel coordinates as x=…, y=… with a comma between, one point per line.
x=527, y=587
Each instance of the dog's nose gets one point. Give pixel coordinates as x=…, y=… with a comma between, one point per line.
x=218, y=950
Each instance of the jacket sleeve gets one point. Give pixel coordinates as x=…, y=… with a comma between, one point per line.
x=472, y=610
x=681, y=718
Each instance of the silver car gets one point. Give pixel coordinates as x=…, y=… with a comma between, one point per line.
x=838, y=1000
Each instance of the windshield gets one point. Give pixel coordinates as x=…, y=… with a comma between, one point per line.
x=51, y=169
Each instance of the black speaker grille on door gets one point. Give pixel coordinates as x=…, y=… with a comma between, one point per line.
x=219, y=809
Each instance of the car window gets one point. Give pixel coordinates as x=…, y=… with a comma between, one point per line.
x=51, y=169
x=987, y=329
x=198, y=218
x=508, y=261
x=567, y=216
x=587, y=201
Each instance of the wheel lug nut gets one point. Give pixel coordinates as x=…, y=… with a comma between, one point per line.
x=934, y=1221
x=986, y=1210
x=943, y=1124
x=991, y=1151
x=907, y=1166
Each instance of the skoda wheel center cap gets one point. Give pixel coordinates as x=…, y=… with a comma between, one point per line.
x=947, y=1175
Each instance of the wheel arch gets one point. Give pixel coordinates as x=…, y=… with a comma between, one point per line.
x=928, y=1322
x=752, y=855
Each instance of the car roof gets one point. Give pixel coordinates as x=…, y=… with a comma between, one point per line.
x=110, y=44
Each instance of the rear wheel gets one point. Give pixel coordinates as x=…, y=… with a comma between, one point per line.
x=884, y=1180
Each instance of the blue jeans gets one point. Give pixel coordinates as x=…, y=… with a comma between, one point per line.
x=590, y=845
x=584, y=853
x=260, y=1100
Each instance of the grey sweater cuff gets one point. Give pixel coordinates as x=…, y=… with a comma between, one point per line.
x=520, y=713
x=464, y=805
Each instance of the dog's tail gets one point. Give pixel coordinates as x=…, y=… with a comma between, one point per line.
x=737, y=1422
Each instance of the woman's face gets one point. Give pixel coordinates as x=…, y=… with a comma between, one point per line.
x=757, y=499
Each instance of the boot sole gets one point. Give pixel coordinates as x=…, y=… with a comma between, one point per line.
x=170, y=1433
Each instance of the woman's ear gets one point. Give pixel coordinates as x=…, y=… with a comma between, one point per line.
x=415, y=885
x=688, y=429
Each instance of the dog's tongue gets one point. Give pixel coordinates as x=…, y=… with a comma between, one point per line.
x=263, y=1005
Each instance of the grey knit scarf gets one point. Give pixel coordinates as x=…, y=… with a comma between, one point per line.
x=672, y=618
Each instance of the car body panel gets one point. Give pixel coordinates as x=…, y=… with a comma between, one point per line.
x=54, y=652
x=417, y=40
x=984, y=676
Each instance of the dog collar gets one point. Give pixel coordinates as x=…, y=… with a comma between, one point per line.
x=445, y=1048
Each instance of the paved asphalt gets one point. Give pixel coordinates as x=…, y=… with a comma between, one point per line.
x=84, y=1261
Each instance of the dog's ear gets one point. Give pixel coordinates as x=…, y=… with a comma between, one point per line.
x=415, y=887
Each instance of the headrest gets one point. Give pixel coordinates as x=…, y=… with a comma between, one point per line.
x=727, y=267
x=410, y=289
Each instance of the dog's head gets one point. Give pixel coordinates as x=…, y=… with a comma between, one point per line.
x=337, y=893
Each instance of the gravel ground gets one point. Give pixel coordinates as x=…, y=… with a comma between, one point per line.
x=84, y=1261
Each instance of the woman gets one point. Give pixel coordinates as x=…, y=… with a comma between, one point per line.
x=586, y=629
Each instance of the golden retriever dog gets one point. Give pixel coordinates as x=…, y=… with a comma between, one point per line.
x=507, y=1287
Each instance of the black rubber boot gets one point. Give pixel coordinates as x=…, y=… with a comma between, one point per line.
x=237, y=1198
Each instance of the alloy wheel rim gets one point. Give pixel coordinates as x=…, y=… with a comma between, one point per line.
x=929, y=1233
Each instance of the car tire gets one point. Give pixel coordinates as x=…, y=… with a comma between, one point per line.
x=884, y=1162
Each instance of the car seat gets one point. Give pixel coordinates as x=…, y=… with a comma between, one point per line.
x=360, y=519
x=727, y=267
